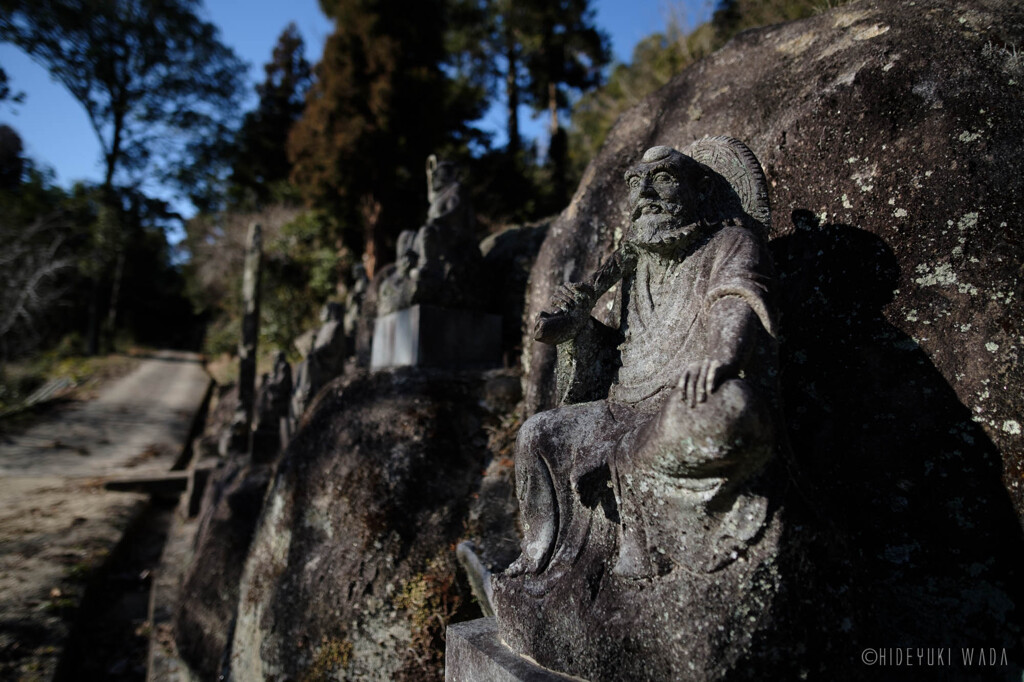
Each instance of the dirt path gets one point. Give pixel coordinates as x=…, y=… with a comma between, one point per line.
x=57, y=524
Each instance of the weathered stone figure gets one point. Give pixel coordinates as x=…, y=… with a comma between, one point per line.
x=649, y=518
x=354, y=302
x=440, y=262
x=325, y=360
x=444, y=194
x=272, y=403
x=238, y=437
x=399, y=288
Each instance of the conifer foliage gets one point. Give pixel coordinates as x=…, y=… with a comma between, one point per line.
x=260, y=163
x=383, y=100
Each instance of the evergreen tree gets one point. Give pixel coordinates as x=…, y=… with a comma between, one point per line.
x=260, y=162
x=381, y=102
x=564, y=53
x=158, y=87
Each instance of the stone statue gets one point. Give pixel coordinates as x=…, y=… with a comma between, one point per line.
x=444, y=194
x=354, y=302
x=325, y=360
x=440, y=263
x=272, y=403
x=651, y=516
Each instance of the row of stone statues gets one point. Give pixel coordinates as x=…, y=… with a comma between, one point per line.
x=438, y=264
x=652, y=515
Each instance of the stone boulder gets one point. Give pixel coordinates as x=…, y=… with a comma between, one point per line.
x=892, y=139
x=508, y=258
x=352, y=573
x=204, y=619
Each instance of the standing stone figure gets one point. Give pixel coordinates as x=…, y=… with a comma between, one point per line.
x=651, y=518
x=440, y=263
x=272, y=403
x=354, y=302
x=238, y=436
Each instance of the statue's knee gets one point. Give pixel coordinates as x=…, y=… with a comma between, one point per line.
x=733, y=425
x=533, y=432
x=734, y=414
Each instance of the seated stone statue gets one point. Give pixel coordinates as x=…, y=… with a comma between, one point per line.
x=440, y=263
x=649, y=517
x=399, y=286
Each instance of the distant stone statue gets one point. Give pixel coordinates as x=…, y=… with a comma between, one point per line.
x=354, y=302
x=440, y=263
x=325, y=360
x=650, y=517
x=272, y=403
x=444, y=194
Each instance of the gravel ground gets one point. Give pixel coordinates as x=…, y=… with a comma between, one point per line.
x=57, y=523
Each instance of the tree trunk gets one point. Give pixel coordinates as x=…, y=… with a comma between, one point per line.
x=552, y=109
x=371, y=208
x=512, y=95
x=114, y=206
x=115, y=294
x=92, y=346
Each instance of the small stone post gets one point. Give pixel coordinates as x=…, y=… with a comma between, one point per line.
x=250, y=321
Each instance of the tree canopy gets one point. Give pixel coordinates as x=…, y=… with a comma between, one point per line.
x=396, y=82
x=157, y=85
x=384, y=98
x=660, y=56
x=6, y=93
x=259, y=164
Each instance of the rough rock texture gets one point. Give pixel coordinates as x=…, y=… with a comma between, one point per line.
x=508, y=257
x=352, y=573
x=229, y=510
x=492, y=525
x=892, y=138
x=205, y=617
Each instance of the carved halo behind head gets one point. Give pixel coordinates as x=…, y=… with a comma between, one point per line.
x=734, y=163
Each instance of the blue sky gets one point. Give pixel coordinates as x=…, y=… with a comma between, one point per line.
x=57, y=134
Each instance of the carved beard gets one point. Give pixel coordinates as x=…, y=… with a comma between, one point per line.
x=662, y=226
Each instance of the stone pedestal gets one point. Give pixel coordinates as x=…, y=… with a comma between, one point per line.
x=429, y=336
x=474, y=653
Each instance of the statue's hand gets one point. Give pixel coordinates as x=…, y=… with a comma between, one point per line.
x=572, y=304
x=700, y=379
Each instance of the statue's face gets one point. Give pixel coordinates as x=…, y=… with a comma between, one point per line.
x=444, y=175
x=662, y=203
x=407, y=262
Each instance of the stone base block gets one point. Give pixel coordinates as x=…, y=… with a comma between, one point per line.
x=474, y=653
x=428, y=336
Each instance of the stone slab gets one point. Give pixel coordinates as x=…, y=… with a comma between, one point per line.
x=429, y=336
x=475, y=653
